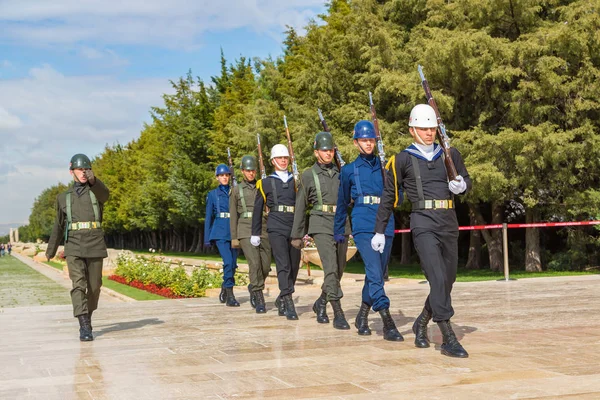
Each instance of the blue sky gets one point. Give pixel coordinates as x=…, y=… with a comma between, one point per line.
x=77, y=75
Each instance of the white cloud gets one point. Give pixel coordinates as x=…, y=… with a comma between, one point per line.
x=61, y=116
x=176, y=23
x=104, y=57
x=5, y=64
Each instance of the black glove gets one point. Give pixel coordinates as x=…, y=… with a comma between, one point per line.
x=89, y=174
x=339, y=238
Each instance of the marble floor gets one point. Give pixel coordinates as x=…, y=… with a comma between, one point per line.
x=527, y=339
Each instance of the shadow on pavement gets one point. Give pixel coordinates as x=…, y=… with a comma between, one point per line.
x=123, y=326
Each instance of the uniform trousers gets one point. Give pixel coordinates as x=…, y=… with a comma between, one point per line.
x=438, y=252
x=229, y=256
x=86, y=276
x=287, y=262
x=373, y=293
x=333, y=259
x=259, y=262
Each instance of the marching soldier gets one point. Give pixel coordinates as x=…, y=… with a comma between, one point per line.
x=278, y=194
x=241, y=205
x=216, y=231
x=319, y=191
x=362, y=182
x=419, y=170
x=79, y=220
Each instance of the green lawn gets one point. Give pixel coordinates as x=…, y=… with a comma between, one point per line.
x=54, y=264
x=211, y=257
x=129, y=291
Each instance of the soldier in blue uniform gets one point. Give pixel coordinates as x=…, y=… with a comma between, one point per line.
x=361, y=182
x=217, y=231
x=419, y=170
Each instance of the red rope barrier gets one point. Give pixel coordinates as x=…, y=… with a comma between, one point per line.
x=512, y=226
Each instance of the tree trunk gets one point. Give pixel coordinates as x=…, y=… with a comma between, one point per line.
x=474, y=259
x=533, y=260
x=492, y=237
x=194, y=238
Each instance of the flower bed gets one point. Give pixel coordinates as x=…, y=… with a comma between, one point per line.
x=157, y=276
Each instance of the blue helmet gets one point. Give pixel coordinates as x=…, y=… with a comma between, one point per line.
x=222, y=169
x=364, y=130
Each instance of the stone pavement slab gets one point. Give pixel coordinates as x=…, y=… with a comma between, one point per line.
x=527, y=339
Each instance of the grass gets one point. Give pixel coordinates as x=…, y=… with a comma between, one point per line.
x=129, y=291
x=54, y=264
x=211, y=257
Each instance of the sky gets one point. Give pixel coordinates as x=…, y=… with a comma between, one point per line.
x=76, y=75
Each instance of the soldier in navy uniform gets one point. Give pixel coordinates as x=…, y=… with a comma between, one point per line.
x=217, y=231
x=361, y=182
x=419, y=170
x=278, y=193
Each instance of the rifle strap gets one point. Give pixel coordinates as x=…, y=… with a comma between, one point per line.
x=357, y=181
x=274, y=188
x=419, y=181
x=317, y=187
x=242, y=199
x=95, y=207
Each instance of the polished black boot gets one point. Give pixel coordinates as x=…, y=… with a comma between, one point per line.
x=85, y=328
x=280, y=304
x=252, y=298
x=222, y=295
x=320, y=308
x=339, y=319
x=420, y=329
x=362, y=322
x=451, y=347
x=290, y=309
x=230, y=298
x=389, y=327
x=260, y=302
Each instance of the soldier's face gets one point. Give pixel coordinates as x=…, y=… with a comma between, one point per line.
x=280, y=163
x=223, y=179
x=249, y=175
x=78, y=174
x=324, y=156
x=423, y=135
x=365, y=146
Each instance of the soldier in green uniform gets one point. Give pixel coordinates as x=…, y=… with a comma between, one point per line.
x=318, y=192
x=79, y=221
x=241, y=206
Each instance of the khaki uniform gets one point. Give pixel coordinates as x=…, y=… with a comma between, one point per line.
x=241, y=206
x=85, y=248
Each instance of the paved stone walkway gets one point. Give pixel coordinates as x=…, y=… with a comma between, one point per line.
x=532, y=338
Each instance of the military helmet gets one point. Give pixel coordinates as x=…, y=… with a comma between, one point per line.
x=323, y=141
x=279, y=150
x=80, y=161
x=248, y=163
x=423, y=116
x=364, y=130
x=222, y=169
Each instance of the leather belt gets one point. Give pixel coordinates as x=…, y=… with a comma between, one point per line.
x=76, y=226
x=223, y=215
x=433, y=205
x=289, y=209
x=246, y=215
x=368, y=200
x=328, y=208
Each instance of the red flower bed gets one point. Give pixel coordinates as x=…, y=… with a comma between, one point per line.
x=152, y=288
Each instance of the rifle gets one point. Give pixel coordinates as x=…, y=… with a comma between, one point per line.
x=261, y=164
x=339, y=161
x=291, y=150
x=380, y=150
x=441, y=131
x=231, y=167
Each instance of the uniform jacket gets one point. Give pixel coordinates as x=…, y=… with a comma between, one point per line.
x=85, y=243
x=280, y=222
x=241, y=228
x=371, y=184
x=215, y=227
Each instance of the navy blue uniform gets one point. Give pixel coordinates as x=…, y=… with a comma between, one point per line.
x=217, y=231
x=362, y=183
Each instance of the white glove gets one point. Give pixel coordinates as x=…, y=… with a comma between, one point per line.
x=378, y=242
x=458, y=185
x=255, y=241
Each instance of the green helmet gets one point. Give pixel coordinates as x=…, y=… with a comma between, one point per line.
x=323, y=141
x=80, y=161
x=248, y=163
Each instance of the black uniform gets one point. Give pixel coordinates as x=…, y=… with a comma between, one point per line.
x=433, y=220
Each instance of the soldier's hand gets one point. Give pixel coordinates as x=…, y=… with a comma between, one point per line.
x=255, y=241
x=297, y=243
x=378, y=242
x=458, y=185
x=91, y=178
x=235, y=244
x=339, y=238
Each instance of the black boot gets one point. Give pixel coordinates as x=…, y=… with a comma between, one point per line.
x=252, y=298
x=389, y=327
x=362, y=322
x=320, y=308
x=260, y=302
x=451, y=347
x=290, y=309
x=280, y=304
x=339, y=319
x=420, y=329
x=230, y=298
x=222, y=295
x=85, y=328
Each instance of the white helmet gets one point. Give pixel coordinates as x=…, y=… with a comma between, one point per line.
x=279, y=150
x=423, y=116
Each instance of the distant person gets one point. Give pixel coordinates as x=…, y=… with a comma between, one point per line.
x=9, y=247
x=79, y=220
x=1, y=249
